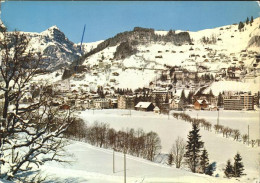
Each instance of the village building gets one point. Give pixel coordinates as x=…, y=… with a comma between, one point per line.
x=101, y=104
x=160, y=96
x=201, y=104
x=176, y=104
x=239, y=102
x=144, y=106
x=125, y=102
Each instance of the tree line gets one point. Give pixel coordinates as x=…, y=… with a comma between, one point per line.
x=226, y=131
x=134, y=142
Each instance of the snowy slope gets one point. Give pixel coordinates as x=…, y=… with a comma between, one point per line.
x=252, y=85
x=220, y=149
x=94, y=165
x=151, y=58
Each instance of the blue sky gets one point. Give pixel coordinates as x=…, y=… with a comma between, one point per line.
x=106, y=19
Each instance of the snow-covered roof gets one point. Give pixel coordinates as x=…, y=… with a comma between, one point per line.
x=143, y=104
x=156, y=108
x=201, y=101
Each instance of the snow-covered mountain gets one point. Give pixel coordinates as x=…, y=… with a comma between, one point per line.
x=135, y=58
x=57, y=50
x=143, y=54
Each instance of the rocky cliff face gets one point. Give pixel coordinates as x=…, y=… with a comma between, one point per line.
x=57, y=49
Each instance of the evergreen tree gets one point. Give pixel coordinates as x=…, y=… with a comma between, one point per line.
x=247, y=21
x=166, y=99
x=196, y=79
x=252, y=20
x=189, y=98
x=170, y=159
x=210, y=169
x=174, y=79
x=238, y=166
x=204, y=161
x=211, y=93
x=193, y=148
x=183, y=97
x=220, y=100
x=240, y=26
x=229, y=169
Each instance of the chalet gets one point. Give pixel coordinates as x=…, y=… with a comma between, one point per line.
x=234, y=72
x=176, y=104
x=144, y=106
x=200, y=104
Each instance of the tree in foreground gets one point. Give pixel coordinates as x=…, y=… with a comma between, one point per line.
x=193, y=148
x=238, y=167
x=229, y=169
x=210, y=169
x=31, y=134
x=204, y=161
x=178, y=150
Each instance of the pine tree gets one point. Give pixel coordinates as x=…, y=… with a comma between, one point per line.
x=211, y=93
x=189, y=98
x=193, y=148
x=170, y=159
x=174, y=79
x=196, y=79
x=220, y=99
x=210, y=169
x=229, y=169
x=166, y=99
x=240, y=26
x=252, y=20
x=183, y=97
x=238, y=166
x=247, y=21
x=204, y=160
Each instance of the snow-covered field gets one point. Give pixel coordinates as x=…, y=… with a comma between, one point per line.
x=220, y=149
x=233, y=119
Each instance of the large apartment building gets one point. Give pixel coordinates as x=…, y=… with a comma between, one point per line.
x=239, y=102
x=159, y=96
x=125, y=102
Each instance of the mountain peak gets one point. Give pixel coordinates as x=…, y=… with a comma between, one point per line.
x=53, y=27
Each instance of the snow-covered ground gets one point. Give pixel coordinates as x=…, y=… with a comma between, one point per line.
x=220, y=149
x=233, y=119
x=252, y=85
x=94, y=165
